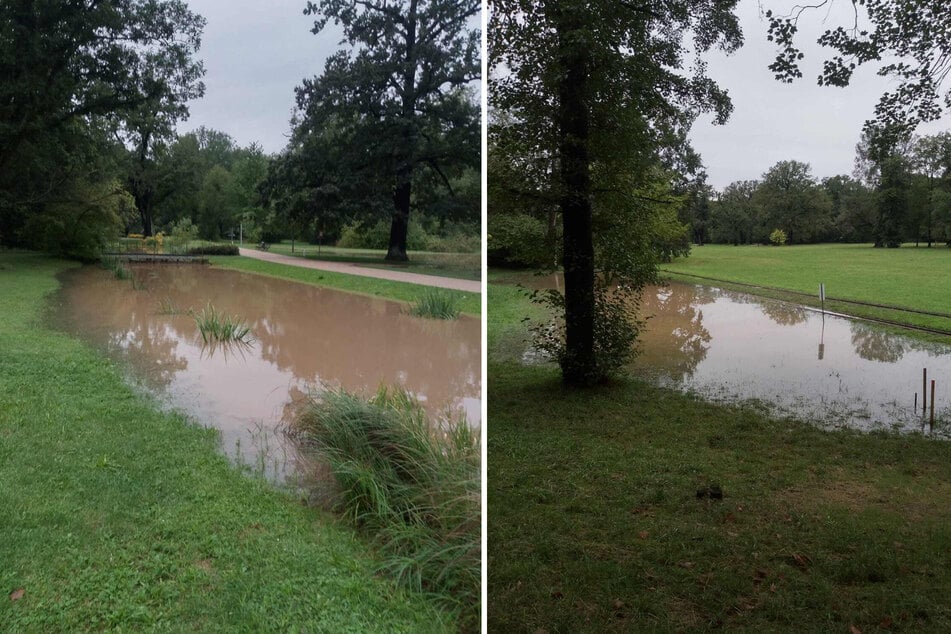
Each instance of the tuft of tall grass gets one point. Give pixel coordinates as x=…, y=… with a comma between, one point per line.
x=167, y=307
x=412, y=485
x=112, y=263
x=436, y=304
x=216, y=327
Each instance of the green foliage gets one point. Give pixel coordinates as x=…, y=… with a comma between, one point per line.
x=391, y=116
x=132, y=518
x=616, y=330
x=518, y=240
x=217, y=204
x=79, y=224
x=902, y=37
x=216, y=327
x=214, y=249
x=792, y=200
x=424, y=235
x=436, y=303
x=777, y=237
x=76, y=77
x=411, y=482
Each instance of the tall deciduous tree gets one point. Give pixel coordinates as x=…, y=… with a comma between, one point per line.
x=67, y=67
x=791, y=200
x=403, y=82
x=601, y=85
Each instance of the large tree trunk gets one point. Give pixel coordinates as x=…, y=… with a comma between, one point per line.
x=579, y=367
x=396, y=252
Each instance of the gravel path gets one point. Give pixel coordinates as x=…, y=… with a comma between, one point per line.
x=470, y=286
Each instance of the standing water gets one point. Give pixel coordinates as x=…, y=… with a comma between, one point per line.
x=303, y=337
x=729, y=346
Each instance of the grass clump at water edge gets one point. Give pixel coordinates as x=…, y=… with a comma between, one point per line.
x=218, y=327
x=112, y=263
x=436, y=304
x=413, y=486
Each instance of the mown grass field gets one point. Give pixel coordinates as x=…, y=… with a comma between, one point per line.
x=909, y=277
x=467, y=266
x=469, y=303
x=118, y=516
x=595, y=524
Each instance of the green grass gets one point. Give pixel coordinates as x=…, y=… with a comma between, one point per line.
x=908, y=277
x=216, y=327
x=119, y=516
x=411, y=483
x=595, y=524
x=469, y=303
x=466, y=266
x=436, y=303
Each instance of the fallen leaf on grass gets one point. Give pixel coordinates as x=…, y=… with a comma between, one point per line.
x=854, y=630
x=643, y=534
x=618, y=604
x=17, y=594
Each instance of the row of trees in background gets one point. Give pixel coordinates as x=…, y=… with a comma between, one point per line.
x=899, y=193
x=96, y=90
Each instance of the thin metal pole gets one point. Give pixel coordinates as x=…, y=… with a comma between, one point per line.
x=932, y=403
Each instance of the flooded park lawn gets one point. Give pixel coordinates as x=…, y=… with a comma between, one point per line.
x=728, y=347
x=304, y=337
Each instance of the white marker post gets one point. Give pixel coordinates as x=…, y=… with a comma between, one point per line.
x=822, y=296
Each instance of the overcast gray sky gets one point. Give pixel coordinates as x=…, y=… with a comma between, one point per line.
x=772, y=121
x=255, y=53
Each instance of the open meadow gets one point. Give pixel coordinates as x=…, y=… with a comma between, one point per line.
x=906, y=279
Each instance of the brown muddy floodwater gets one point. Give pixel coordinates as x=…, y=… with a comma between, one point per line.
x=729, y=347
x=304, y=337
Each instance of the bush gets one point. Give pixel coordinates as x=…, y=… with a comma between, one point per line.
x=423, y=234
x=214, y=249
x=413, y=484
x=518, y=240
x=616, y=331
x=777, y=237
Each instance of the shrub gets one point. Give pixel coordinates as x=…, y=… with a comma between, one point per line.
x=517, y=240
x=412, y=484
x=437, y=303
x=777, y=237
x=214, y=249
x=616, y=330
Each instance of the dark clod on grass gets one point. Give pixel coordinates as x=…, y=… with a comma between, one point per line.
x=712, y=491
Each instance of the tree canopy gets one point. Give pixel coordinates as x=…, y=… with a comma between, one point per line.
x=392, y=106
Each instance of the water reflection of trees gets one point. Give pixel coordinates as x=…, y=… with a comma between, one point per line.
x=675, y=339
x=874, y=344
x=124, y=323
x=784, y=314
x=315, y=334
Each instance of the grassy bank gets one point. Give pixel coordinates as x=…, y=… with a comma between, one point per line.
x=601, y=516
x=466, y=266
x=118, y=516
x=909, y=278
x=469, y=303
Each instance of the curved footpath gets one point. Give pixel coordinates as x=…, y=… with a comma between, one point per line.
x=470, y=286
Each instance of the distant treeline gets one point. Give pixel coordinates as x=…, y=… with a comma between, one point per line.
x=895, y=196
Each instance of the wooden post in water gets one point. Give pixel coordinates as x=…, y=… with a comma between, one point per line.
x=932, y=404
x=916, y=402
x=924, y=391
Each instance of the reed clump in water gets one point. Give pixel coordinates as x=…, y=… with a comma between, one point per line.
x=217, y=327
x=413, y=486
x=112, y=263
x=436, y=304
